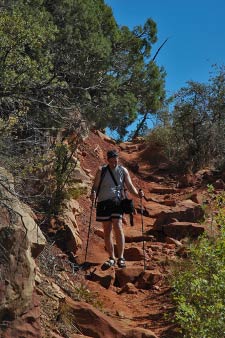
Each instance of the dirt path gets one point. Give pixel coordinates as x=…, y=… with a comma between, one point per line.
x=141, y=303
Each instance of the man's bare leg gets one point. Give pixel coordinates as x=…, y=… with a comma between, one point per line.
x=119, y=234
x=108, y=237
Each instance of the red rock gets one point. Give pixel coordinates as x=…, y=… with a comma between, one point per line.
x=104, y=278
x=184, y=211
x=147, y=279
x=140, y=333
x=128, y=275
x=92, y=322
x=171, y=240
x=133, y=254
x=180, y=230
x=129, y=288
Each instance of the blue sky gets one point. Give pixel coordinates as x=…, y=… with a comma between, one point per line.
x=196, y=32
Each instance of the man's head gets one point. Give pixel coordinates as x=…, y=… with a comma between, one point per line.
x=112, y=154
x=112, y=157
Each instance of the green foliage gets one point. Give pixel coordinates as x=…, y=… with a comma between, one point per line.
x=198, y=285
x=60, y=59
x=60, y=167
x=162, y=138
x=196, y=125
x=25, y=60
x=82, y=293
x=106, y=67
x=75, y=191
x=62, y=185
x=71, y=54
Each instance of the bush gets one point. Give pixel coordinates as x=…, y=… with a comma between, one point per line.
x=199, y=284
x=161, y=137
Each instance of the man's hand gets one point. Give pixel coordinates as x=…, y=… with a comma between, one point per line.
x=141, y=193
x=93, y=195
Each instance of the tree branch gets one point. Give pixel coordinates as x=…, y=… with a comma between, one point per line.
x=158, y=50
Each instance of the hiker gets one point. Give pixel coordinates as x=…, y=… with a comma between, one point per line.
x=108, y=189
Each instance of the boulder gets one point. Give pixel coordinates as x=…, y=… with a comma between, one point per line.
x=147, y=279
x=94, y=323
x=179, y=230
x=133, y=254
x=129, y=288
x=104, y=278
x=128, y=275
x=90, y=320
x=184, y=211
x=27, y=325
x=20, y=242
x=139, y=332
x=66, y=227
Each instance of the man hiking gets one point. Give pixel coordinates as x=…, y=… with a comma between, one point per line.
x=108, y=189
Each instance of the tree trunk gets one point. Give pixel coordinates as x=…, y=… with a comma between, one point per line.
x=139, y=126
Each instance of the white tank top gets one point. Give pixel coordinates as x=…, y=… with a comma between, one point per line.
x=108, y=189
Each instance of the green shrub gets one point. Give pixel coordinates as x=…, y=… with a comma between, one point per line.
x=82, y=293
x=199, y=284
x=163, y=138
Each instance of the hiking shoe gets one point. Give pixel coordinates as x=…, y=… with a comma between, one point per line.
x=110, y=262
x=121, y=263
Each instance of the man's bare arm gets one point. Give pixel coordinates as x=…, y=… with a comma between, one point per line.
x=130, y=186
x=129, y=183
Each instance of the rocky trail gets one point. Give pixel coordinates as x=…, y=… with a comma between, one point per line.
x=137, y=298
x=67, y=296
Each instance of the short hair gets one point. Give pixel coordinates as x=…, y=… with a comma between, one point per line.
x=112, y=153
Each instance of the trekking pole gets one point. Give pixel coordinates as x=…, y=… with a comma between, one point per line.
x=89, y=228
x=142, y=227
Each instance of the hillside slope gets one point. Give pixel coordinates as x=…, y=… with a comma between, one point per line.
x=79, y=298
x=138, y=296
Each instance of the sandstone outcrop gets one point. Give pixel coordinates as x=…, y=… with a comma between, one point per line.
x=20, y=242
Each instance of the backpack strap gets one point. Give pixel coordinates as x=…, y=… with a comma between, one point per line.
x=103, y=172
x=113, y=177
x=115, y=181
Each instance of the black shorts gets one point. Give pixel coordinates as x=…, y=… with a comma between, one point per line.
x=108, y=209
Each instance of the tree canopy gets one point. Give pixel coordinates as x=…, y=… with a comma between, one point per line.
x=192, y=134
x=60, y=56
x=65, y=65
